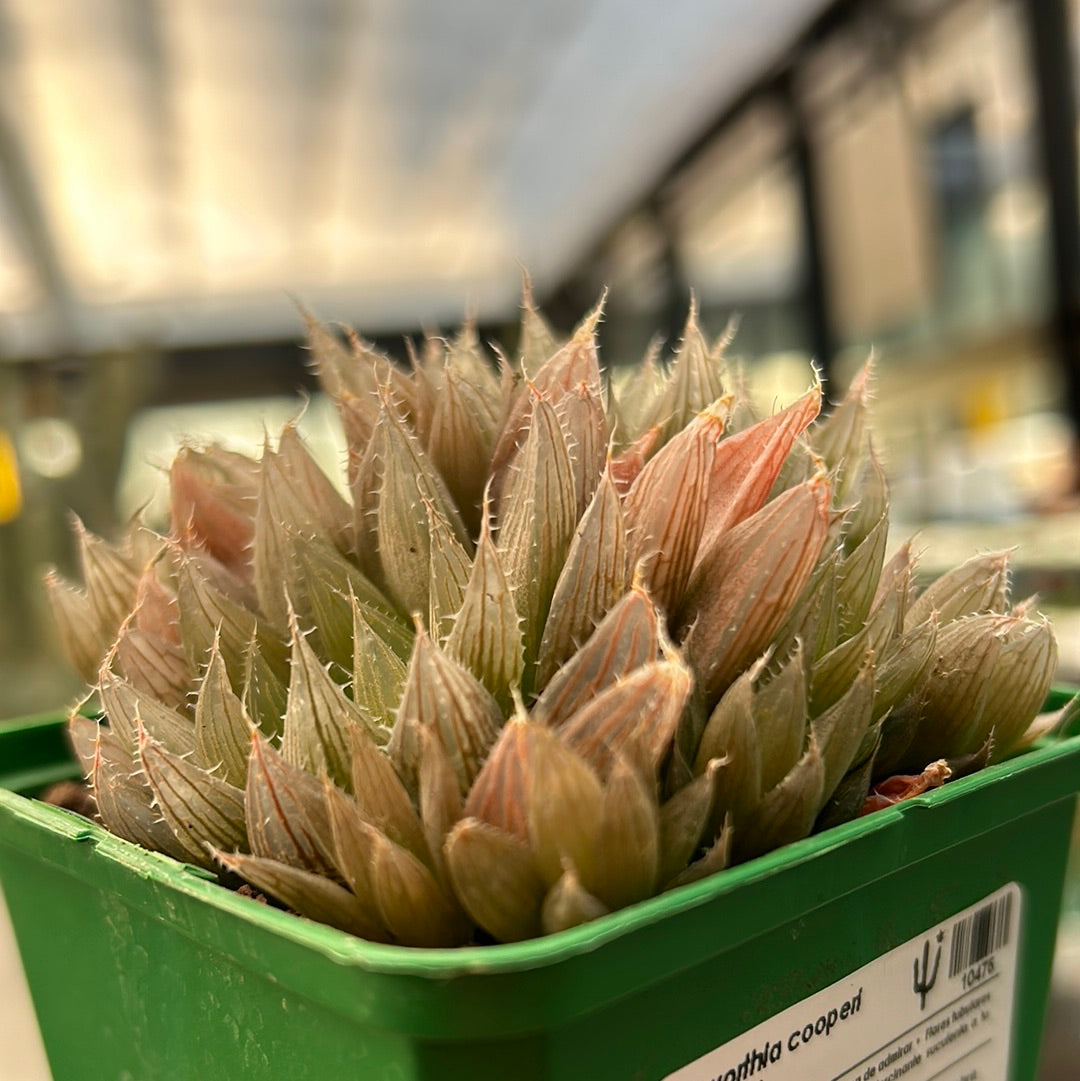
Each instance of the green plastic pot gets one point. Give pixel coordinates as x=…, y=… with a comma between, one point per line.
x=143, y=969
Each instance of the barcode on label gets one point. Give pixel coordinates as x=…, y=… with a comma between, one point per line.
x=980, y=934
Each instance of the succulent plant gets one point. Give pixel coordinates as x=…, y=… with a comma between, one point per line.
x=568, y=641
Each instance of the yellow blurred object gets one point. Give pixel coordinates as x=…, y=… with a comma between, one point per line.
x=10, y=489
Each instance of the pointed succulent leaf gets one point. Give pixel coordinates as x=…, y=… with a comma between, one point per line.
x=495, y=880
x=306, y=893
x=500, y=792
x=111, y=582
x=153, y=665
x=746, y=586
x=537, y=515
x=666, y=508
x=411, y=903
x=991, y=675
x=574, y=364
x=127, y=707
x=626, y=638
x=83, y=638
x=381, y=798
x=286, y=812
x=745, y=465
x=486, y=635
x=787, y=811
x=379, y=673
x=647, y=703
x=695, y=379
x=212, y=503
x=594, y=577
x=207, y=613
x=841, y=729
x=328, y=589
x=834, y=673
x=717, y=857
x=581, y=413
x=839, y=438
x=201, y=809
x=462, y=438
x=779, y=710
x=904, y=664
x=626, y=867
x=318, y=716
x=568, y=904
x=83, y=735
x=537, y=341
x=222, y=725
x=870, y=493
x=564, y=802
x=685, y=818
x=439, y=799
x=352, y=848
x=125, y=801
x=980, y=584
x=448, y=574
x=857, y=579
x=442, y=695
x=627, y=465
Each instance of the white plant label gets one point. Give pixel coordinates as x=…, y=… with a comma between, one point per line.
x=937, y=1008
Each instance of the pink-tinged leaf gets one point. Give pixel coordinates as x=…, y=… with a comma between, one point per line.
x=286, y=813
x=629, y=462
x=626, y=638
x=646, y=704
x=576, y=363
x=745, y=466
x=740, y=595
x=499, y=793
x=494, y=878
x=593, y=578
x=666, y=508
x=581, y=413
x=213, y=498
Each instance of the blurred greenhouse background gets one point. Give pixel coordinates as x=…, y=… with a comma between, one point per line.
x=889, y=175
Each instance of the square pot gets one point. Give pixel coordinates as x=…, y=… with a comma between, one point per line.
x=824, y=959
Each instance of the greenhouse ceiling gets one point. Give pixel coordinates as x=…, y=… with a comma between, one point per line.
x=173, y=171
